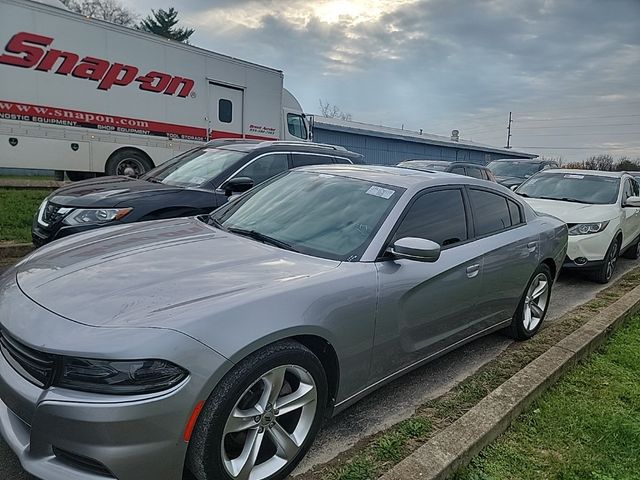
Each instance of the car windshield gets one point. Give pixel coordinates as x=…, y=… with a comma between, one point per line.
x=324, y=215
x=437, y=166
x=572, y=187
x=195, y=167
x=513, y=169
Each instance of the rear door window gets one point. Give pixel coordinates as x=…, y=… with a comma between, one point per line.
x=303, y=159
x=491, y=212
x=263, y=168
x=458, y=170
x=475, y=173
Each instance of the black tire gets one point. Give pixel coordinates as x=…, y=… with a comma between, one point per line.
x=517, y=329
x=603, y=274
x=75, y=176
x=633, y=251
x=204, y=457
x=128, y=162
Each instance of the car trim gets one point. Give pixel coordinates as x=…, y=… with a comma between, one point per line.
x=417, y=363
x=282, y=153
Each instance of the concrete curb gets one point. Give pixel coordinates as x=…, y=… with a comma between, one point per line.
x=15, y=250
x=457, y=444
x=30, y=184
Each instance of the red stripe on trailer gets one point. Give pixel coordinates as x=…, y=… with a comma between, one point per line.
x=106, y=122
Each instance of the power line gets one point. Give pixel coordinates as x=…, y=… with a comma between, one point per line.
x=576, y=118
x=582, y=125
x=582, y=148
x=576, y=134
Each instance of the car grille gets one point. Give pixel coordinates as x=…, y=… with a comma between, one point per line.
x=51, y=213
x=35, y=366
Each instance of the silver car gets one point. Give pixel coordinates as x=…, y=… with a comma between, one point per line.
x=218, y=344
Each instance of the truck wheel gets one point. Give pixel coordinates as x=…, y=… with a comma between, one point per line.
x=128, y=162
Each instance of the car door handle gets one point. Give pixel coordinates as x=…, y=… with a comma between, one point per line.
x=532, y=246
x=472, y=270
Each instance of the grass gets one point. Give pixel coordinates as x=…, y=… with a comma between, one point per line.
x=28, y=177
x=17, y=208
x=373, y=456
x=587, y=427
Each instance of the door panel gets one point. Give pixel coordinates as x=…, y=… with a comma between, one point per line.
x=225, y=111
x=424, y=307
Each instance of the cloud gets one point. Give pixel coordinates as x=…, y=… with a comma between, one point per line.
x=438, y=65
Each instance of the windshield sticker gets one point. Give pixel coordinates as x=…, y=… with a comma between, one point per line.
x=380, y=192
x=573, y=175
x=198, y=179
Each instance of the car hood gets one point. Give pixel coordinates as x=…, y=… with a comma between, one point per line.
x=571, y=212
x=134, y=275
x=105, y=192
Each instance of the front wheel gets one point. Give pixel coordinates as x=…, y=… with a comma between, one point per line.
x=262, y=417
x=604, y=273
x=533, y=305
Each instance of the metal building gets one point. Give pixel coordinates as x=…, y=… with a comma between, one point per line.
x=388, y=146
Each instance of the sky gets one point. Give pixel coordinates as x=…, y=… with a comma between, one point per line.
x=568, y=70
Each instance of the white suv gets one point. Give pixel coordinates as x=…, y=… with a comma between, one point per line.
x=601, y=209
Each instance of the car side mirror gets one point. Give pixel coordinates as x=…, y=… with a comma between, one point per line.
x=237, y=185
x=632, y=201
x=418, y=249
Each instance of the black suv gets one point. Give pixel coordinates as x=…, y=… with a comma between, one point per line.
x=511, y=173
x=467, y=169
x=196, y=182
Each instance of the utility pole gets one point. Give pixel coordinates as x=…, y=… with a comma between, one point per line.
x=509, y=132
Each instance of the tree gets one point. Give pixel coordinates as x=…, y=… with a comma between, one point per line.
x=163, y=23
x=599, y=162
x=625, y=164
x=333, y=111
x=109, y=10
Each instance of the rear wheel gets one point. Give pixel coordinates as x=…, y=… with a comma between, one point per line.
x=604, y=273
x=262, y=417
x=128, y=162
x=533, y=306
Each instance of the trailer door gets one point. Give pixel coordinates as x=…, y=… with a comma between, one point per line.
x=226, y=111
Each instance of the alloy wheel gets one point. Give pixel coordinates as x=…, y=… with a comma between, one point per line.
x=535, y=302
x=612, y=259
x=269, y=424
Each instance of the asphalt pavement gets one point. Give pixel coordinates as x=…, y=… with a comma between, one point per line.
x=399, y=399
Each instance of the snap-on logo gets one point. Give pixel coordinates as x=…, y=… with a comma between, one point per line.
x=29, y=50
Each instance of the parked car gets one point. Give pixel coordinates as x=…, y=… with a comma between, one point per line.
x=193, y=183
x=512, y=173
x=602, y=210
x=220, y=342
x=461, y=168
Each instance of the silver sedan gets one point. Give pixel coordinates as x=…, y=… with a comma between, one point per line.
x=218, y=344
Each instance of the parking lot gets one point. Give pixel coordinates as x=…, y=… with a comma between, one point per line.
x=398, y=400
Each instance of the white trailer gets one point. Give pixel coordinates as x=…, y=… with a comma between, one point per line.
x=83, y=95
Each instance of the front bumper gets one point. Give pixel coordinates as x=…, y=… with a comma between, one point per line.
x=61, y=434
x=588, y=251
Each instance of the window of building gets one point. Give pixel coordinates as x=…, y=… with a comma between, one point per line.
x=225, y=110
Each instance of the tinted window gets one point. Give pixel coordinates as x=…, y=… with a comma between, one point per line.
x=458, y=170
x=514, y=210
x=437, y=216
x=225, y=110
x=265, y=167
x=628, y=190
x=302, y=159
x=296, y=126
x=635, y=187
x=475, y=173
x=490, y=212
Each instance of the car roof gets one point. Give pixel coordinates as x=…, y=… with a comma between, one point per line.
x=244, y=145
x=395, y=176
x=599, y=173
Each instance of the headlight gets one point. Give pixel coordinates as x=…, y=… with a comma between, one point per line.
x=119, y=377
x=96, y=215
x=588, y=228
